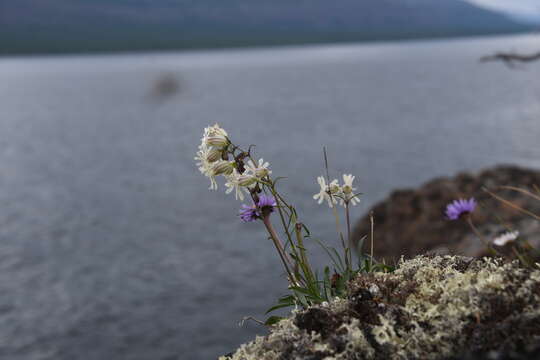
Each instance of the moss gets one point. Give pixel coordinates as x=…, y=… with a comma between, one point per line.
x=429, y=308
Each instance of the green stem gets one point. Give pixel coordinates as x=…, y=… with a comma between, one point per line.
x=349, y=239
x=338, y=229
x=306, y=266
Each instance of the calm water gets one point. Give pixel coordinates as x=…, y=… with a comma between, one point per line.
x=111, y=246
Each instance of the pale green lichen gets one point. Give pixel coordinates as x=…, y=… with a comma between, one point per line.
x=429, y=308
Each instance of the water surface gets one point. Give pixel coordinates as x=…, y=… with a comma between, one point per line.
x=111, y=246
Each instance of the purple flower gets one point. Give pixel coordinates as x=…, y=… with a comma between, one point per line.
x=248, y=213
x=457, y=208
x=267, y=201
x=266, y=204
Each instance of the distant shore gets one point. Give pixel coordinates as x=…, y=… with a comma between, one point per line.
x=23, y=45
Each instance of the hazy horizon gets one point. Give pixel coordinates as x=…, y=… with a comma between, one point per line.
x=33, y=27
x=529, y=8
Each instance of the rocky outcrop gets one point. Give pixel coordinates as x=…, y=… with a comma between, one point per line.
x=411, y=222
x=429, y=308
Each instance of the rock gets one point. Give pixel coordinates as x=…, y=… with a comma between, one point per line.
x=411, y=222
x=442, y=307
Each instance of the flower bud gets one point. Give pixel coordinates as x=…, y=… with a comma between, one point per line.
x=219, y=141
x=214, y=155
x=246, y=180
x=223, y=167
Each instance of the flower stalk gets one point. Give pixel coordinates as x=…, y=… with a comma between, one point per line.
x=468, y=219
x=280, y=249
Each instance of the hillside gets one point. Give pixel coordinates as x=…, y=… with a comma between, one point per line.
x=37, y=26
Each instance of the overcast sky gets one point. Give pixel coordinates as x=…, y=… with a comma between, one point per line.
x=522, y=7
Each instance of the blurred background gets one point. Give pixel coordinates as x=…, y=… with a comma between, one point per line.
x=111, y=245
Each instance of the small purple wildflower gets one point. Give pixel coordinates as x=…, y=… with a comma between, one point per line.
x=248, y=213
x=460, y=207
x=267, y=201
x=253, y=212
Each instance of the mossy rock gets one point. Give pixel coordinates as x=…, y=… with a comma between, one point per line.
x=443, y=307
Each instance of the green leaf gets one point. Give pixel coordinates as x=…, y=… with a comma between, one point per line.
x=279, y=306
x=361, y=246
x=340, y=265
x=300, y=290
x=272, y=320
x=301, y=298
x=328, y=252
x=308, y=234
x=327, y=284
x=286, y=299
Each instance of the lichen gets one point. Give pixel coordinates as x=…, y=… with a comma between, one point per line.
x=429, y=308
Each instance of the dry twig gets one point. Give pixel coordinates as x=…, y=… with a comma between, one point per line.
x=510, y=59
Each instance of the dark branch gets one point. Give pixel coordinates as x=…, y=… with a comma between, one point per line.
x=511, y=58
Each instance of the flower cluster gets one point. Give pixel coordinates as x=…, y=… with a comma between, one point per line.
x=265, y=205
x=458, y=208
x=210, y=157
x=333, y=192
x=213, y=160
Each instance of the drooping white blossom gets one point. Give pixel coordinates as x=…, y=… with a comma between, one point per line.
x=247, y=180
x=223, y=167
x=208, y=157
x=214, y=154
x=215, y=136
x=206, y=167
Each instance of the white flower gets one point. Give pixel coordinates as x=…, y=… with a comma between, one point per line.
x=214, y=154
x=347, y=191
x=247, y=180
x=326, y=190
x=334, y=188
x=238, y=182
x=205, y=167
x=215, y=136
x=218, y=141
x=260, y=170
x=223, y=167
x=505, y=238
x=214, y=130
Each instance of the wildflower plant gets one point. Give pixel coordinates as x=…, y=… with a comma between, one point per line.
x=522, y=249
x=218, y=157
x=462, y=209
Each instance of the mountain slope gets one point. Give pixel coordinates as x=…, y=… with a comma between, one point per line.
x=101, y=25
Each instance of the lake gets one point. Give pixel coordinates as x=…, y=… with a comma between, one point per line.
x=111, y=245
